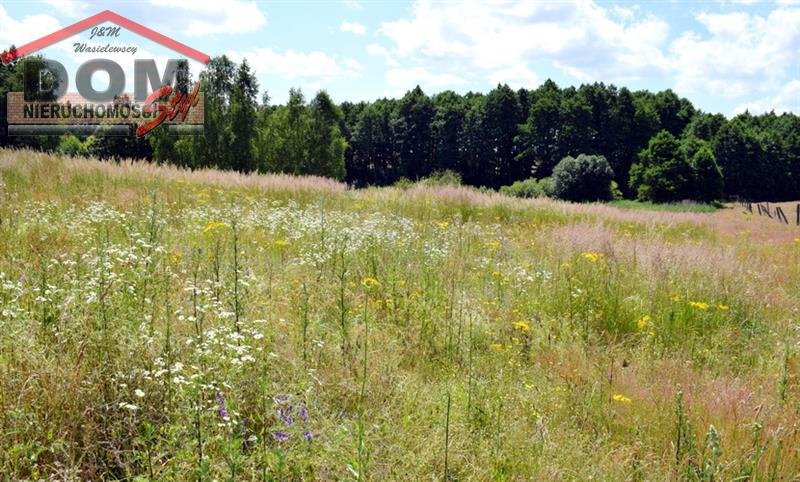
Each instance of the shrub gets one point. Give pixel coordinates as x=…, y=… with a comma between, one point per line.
x=662, y=173
x=529, y=188
x=442, y=178
x=708, y=181
x=583, y=178
x=71, y=146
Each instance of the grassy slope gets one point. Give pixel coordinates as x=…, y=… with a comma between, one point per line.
x=135, y=301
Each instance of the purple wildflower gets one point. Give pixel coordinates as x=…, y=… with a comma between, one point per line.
x=223, y=411
x=303, y=412
x=282, y=436
x=281, y=398
x=286, y=415
x=308, y=435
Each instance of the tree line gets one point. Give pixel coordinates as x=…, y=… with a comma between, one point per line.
x=657, y=146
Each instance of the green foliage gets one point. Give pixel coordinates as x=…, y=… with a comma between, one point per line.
x=583, y=178
x=442, y=178
x=70, y=145
x=709, y=183
x=662, y=174
x=491, y=140
x=529, y=188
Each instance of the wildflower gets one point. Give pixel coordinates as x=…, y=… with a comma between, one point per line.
x=370, y=282
x=443, y=224
x=128, y=406
x=492, y=245
x=281, y=243
x=285, y=415
x=522, y=326
x=675, y=298
x=139, y=393
x=281, y=436
x=642, y=322
x=496, y=346
x=214, y=226
x=303, y=413
x=592, y=257
x=722, y=307
x=223, y=410
x=699, y=305
x=621, y=398
x=307, y=435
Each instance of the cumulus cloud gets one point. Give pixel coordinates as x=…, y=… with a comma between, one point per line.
x=353, y=27
x=582, y=37
x=786, y=100
x=27, y=29
x=399, y=80
x=316, y=67
x=217, y=17
x=742, y=53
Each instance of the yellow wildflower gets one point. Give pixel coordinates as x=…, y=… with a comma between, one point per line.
x=642, y=322
x=443, y=224
x=722, y=307
x=492, y=245
x=593, y=257
x=675, y=298
x=621, y=398
x=281, y=243
x=370, y=282
x=496, y=346
x=213, y=226
x=699, y=305
x=522, y=326
x=176, y=256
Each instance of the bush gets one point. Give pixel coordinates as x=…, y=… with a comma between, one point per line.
x=583, y=178
x=529, y=188
x=662, y=173
x=71, y=146
x=708, y=181
x=442, y=178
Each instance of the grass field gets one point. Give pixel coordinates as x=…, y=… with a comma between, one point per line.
x=674, y=207
x=157, y=324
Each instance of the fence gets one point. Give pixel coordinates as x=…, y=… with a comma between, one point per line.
x=774, y=212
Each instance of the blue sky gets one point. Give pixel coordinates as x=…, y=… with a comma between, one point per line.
x=725, y=56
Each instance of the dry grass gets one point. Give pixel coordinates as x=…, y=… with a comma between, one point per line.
x=137, y=301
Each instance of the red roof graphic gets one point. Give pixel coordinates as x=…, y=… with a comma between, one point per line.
x=104, y=16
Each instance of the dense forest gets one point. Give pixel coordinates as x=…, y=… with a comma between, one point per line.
x=595, y=141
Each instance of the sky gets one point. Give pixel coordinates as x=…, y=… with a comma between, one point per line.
x=725, y=56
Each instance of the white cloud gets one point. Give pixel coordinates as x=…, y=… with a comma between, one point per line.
x=786, y=100
x=490, y=37
x=217, y=17
x=353, y=27
x=70, y=8
x=400, y=80
x=743, y=53
x=515, y=77
x=315, y=67
x=28, y=29
x=381, y=51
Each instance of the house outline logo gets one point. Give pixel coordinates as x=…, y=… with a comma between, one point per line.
x=165, y=105
x=104, y=16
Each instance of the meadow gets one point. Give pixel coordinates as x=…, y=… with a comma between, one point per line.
x=162, y=324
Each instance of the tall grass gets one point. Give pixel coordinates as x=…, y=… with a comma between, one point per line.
x=165, y=324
